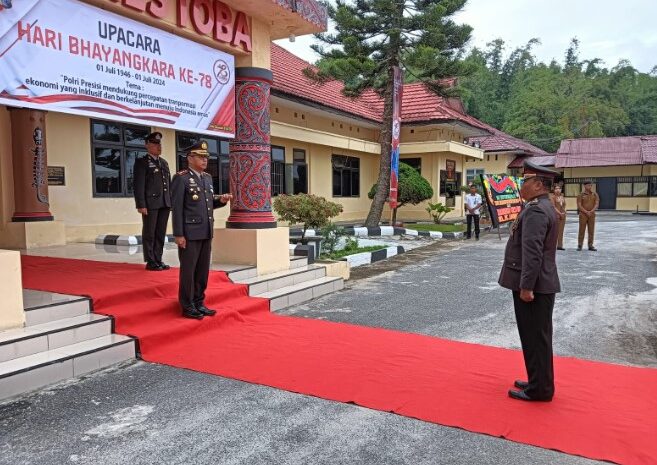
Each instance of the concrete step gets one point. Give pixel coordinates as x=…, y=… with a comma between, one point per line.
x=273, y=281
x=298, y=262
x=45, y=307
x=16, y=343
x=302, y=292
x=35, y=371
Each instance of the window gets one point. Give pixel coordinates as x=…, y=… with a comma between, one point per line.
x=277, y=170
x=346, y=176
x=413, y=163
x=653, y=186
x=299, y=171
x=473, y=175
x=450, y=188
x=624, y=189
x=114, y=148
x=635, y=186
x=640, y=188
x=218, y=164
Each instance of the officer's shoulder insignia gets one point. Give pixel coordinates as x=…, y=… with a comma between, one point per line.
x=181, y=172
x=531, y=203
x=207, y=174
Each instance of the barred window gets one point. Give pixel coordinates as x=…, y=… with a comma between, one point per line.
x=346, y=176
x=277, y=170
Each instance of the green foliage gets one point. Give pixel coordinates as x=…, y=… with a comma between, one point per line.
x=437, y=211
x=412, y=187
x=343, y=253
x=372, y=37
x=546, y=103
x=331, y=234
x=310, y=210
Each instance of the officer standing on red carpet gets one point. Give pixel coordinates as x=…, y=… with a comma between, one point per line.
x=151, y=185
x=530, y=271
x=193, y=226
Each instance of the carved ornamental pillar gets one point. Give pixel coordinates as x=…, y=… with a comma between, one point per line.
x=250, y=152
x=28, y=130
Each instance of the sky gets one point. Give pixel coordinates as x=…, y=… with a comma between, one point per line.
x=607, y=29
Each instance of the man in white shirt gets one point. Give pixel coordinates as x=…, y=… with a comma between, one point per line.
x=472, y=211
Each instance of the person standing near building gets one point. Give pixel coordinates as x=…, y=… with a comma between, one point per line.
x=193, y=227
x=587, y=204
x=473, y=204
x=530, y=272
x=559, y=202
x=152, y=180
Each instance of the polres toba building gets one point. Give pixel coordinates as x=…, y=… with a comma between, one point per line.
x=83, y=82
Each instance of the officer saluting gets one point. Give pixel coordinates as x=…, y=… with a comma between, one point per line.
x=193, y=225
x=152, y=196
x=530, y=271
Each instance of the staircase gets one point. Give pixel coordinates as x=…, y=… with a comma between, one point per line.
x=301, y=283
x=62, y=339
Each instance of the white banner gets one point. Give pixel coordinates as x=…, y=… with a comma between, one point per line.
x=66, y=56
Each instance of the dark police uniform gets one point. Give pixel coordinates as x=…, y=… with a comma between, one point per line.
x=530, y=264
x=193, y=218
x=152, y=180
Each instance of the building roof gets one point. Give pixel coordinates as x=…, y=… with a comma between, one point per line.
x=500, y=141
x=607, y=151
x=542, y=160
x=419, y=105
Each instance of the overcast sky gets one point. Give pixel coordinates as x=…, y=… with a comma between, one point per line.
x=607, y=29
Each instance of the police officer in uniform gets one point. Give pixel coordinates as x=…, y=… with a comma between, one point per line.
x=193, y=225
x=152, y=180
x=530, y=271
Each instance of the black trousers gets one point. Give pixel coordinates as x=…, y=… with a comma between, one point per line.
x=194, y=271
x=476, y=222
x=535, y=328
x=153, y=232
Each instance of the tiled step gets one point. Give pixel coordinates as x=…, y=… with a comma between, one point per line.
x=271, y=282
x=38, y=370
x=302, y=292
x=236, y=271
x=44, y=307
x=298, y=262
x=30, y=340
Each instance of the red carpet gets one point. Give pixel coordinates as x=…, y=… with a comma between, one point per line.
x=601, y=411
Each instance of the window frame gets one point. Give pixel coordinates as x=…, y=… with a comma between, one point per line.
x=123, y=147
x=351, y=170
x=295, y=164
x=274, y=164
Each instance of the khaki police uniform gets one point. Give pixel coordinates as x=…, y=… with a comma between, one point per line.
x=587, y=202
x=193, y=218
x=530, y=264
x=151, y=186
x=560, y=205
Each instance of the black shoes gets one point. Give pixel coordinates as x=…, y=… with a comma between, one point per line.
x=192, y=313
x=579, y=248
x=592, y=249
x=521, y=384
x=561, y=248
x=205, y=311
x=151, y=266
x=521, y=395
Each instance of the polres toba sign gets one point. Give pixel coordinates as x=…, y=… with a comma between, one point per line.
x=66, y=56
x=211, y=18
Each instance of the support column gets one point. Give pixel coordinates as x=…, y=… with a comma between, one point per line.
x=30, y=165
x=250, y=152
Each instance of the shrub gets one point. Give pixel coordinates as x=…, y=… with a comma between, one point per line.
x=311, y=211
x=437, y=211
x=412, y=188
x=331, y=234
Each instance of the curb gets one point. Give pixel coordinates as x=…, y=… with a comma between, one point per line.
x=383, y=231
x=113, y=239
x=367, y=258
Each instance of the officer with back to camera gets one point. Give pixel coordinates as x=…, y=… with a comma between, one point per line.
x=152, y=180
x=194, y=202
x=530, y=271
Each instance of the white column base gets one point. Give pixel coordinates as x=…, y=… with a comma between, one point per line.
x=266, y=249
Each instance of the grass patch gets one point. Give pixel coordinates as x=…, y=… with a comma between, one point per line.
x=343, y=253
x=437, y=227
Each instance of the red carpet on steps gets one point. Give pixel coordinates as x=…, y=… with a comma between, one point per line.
x=601, y=411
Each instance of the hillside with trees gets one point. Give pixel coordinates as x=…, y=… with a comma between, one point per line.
x=546, y=103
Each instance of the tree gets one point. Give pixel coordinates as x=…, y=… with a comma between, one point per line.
x=412, y=189
x=372, y=38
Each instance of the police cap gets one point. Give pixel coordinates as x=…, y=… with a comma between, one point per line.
x=154, y=138
x=532, y=169
x=200, y=148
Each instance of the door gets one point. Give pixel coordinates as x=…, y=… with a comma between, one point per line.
x=606, y=189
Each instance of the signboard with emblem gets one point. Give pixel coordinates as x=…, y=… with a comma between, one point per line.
x=70, y=57
x=56, y=176
x=502, y=197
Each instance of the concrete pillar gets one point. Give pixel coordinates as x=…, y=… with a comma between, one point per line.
x=30, y=165
x=12, y=314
